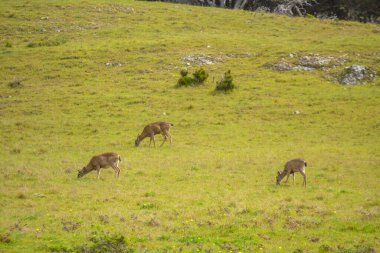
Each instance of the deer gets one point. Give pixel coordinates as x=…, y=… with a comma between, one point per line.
x=102, y=161
x=291, y=167
x=152, y=129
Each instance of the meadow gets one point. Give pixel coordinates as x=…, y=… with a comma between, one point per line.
x=89, y=75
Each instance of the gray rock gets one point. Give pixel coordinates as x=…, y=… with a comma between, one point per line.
x=315, y=61
x=356, y=74
x=303, y=68
x=201, y=59
x=286, y=66
x=281, y=66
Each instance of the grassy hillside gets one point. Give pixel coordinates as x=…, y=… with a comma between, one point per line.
x=93, y=74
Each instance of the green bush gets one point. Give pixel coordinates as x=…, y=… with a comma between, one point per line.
x=184, y=72
x=185, y=81
x=226, y=83
x=199, y=77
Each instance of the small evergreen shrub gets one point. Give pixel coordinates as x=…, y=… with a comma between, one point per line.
x=184, y=72
x=199, y=77
x=226, y=83
x=185, y=81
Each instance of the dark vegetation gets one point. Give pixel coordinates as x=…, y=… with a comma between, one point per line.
x=359, y=10
x=226, y=83
x=15, y=83
x=99, y=243
x=199, y=77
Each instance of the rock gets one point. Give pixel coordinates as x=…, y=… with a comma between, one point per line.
x=201, y=59
x=286, y=66
x=280, y=66
x=315, y=61
x=113, y=64
x=310, y=62
x=303, y=68
x=356, y=74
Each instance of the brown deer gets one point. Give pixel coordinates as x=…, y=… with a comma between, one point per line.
x=102, y=161
x=152, y=129
x=291, y=167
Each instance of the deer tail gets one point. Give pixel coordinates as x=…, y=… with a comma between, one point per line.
x=120, y=158
x=305, y=164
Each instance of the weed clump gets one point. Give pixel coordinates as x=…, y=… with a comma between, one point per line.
x=199, y=77
x=226, y=83
x=15, y=83
x=70, y=225
x=47, y=43
x=99, y=243
x=8, y=44
x=21, y=195
x=148, y=206
x=5, y=238
x=104, y=219
x=106, y=243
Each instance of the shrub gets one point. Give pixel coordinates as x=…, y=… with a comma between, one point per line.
x=199, y=77
x=184, y=72
x=226, y=83
x=185, y=81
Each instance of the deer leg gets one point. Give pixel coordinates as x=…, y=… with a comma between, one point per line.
x=304, y=177
x=117, y=171
x=294, y=177
x=163, y=135
x=287, y=176
x=170, y=138
x=154, y=142
x=97, y=172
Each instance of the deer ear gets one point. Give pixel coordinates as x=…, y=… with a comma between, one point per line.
x=278, y=172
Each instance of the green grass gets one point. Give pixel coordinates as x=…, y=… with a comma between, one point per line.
x=214, y=188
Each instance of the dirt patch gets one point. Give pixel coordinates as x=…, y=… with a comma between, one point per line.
x=70, y=225
x=292, y=224
x=104, y=219
x=153, y=222
x=5, y=238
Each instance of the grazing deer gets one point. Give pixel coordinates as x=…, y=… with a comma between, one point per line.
x=102, y=161
x=291, y=167
x=152, y=129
